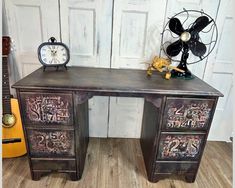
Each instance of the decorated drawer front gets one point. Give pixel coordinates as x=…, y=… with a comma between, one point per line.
x=180, y=147
x=47, y=108
x=187, y=113
x=177, y=168
x=54, y=165
x=49, y=143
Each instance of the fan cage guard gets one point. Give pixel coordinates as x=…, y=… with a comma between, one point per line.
x=213, y=34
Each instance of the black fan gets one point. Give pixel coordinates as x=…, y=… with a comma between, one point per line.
x=189, y=40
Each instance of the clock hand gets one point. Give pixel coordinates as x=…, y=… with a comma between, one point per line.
x=50, y=48
x=53, y=50
x=55, y=61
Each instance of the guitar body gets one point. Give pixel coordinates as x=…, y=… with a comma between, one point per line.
x=13, y=142
x=14, y=149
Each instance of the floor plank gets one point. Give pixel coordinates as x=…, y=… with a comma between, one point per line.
x=118, y=163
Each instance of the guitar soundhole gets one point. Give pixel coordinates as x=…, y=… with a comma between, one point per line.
x=8, y=120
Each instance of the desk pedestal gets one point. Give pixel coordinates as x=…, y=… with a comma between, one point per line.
x=174, y=133
x=56, y=130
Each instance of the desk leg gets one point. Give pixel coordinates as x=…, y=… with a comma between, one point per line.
x=149, y=132
x=82, y=129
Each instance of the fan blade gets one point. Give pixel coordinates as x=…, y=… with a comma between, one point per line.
x=176, y=26
x=199, y=24
x=197, y=48
x=174, y=48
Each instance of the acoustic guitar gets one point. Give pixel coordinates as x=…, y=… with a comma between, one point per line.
x=13, y=142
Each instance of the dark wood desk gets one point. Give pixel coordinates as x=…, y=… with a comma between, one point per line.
x=54, y=108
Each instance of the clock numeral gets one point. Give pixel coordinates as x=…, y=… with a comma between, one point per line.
x=45, y=59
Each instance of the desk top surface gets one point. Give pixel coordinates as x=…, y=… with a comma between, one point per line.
x=113, y=82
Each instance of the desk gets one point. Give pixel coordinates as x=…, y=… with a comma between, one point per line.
x=54, y=109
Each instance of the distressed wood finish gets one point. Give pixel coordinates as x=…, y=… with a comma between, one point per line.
x=49, y=142
x=114, y=82
x=61, y=164
x=149, y=133
x=56, y=130
x=82, y=130
x=177, y=151
x=47, y=108
x=59, y=132
x=177, y=168
x=179, y=146
x=187, y=114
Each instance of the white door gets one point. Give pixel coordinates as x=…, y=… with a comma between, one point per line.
x=219, y=73
x=86, y=29
x=30, y=22
x=137, y=25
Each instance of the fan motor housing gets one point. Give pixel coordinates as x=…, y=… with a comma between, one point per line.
x=185, y=36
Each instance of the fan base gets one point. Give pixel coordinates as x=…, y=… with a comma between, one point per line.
x=185, y=75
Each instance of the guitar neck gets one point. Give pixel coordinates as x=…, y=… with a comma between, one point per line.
x=6, y=96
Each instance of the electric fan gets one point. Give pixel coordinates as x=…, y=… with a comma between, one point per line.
x=190, y=41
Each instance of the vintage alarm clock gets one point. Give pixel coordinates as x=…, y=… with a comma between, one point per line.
x=53, y=54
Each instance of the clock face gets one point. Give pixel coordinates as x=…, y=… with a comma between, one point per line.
x=53, y=54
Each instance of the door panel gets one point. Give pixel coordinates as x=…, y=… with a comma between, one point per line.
x=30, y=23
x=86, y=29
x=219, y=73
x=98, y=116
x=137, y=25
x=134, y=25
x=125, y=117
x=82, y=25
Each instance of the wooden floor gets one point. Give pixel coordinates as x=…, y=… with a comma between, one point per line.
x=118, y=163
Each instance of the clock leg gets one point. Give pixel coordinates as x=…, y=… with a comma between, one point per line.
x=65, y=67
x=44, y=68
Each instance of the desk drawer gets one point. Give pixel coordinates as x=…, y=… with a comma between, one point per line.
x=51, y=143
x=53, y=164
x=47, y=108
x=175, y=168
x=180, y=147
x=187, y=113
